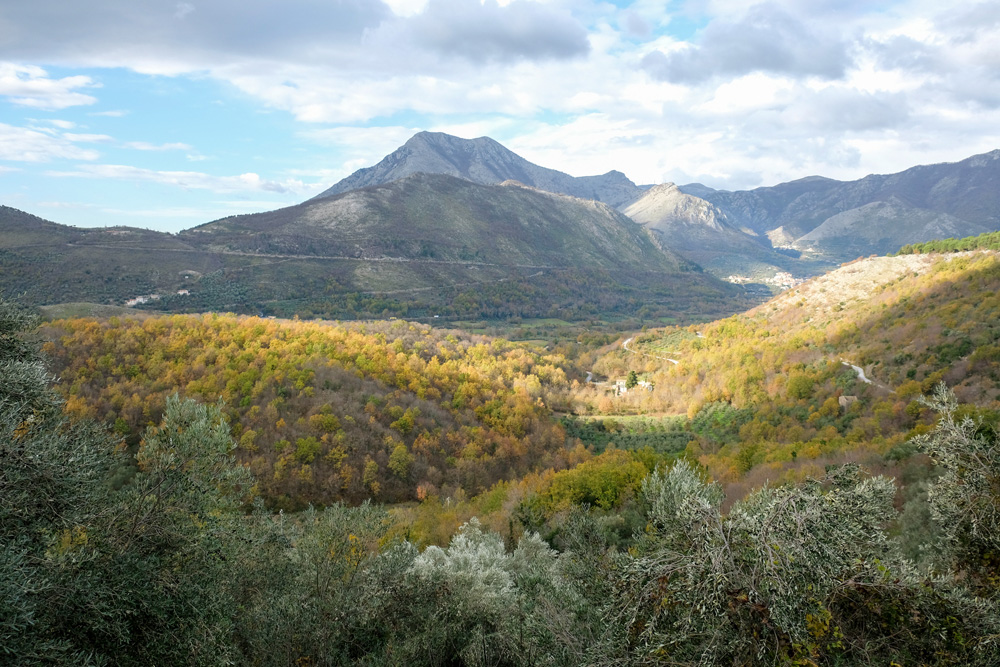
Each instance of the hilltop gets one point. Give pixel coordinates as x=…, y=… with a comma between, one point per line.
x=486, y=162
x=830, y=370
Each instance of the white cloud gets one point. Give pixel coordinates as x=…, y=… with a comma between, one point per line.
x=487, y=31
x=766, y=39
x=88, y=138
x=406, y=7
x=705, y=90
x=19, y=144
x=183, y=9
x=31, y=87
x=188, y=180
x=147, y=146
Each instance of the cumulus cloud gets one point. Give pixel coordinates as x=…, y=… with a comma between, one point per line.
x=840, y=109
x=21, y=144
x=486, y=31
x=905, y=53
x=32, y=87
x=766, y=39
x=127, y=33
x=726, y=95
x=190, y=180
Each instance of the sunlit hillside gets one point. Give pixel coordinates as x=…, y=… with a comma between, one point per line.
x=322, y=412
x=832, y=368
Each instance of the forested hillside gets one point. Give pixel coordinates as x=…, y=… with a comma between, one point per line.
x=781, y=382
x=322, y=412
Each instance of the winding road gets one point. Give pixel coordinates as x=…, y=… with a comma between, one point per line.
x=864, y=378
x=653, y=356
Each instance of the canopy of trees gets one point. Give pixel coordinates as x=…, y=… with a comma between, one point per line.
x=326, y=412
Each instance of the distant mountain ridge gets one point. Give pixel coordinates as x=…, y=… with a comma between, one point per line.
x=703, y=233
x=875, y=214
x=803, y=227
x=443, y=212
x=486, y=162
x=423, y=246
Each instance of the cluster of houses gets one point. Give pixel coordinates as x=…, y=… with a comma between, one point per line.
x=146, y=298
x=781, y=279
x=620, y=389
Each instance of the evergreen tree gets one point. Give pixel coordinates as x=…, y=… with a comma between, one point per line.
x=632, y=380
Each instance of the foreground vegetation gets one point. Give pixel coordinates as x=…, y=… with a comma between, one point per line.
x=163, y=557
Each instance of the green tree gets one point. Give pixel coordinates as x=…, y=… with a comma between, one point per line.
x=800, y=386
x=800, y=574
x=965, y=499
x=632, y=380
x=52, y=488
x=145, y=574
x=400, y=461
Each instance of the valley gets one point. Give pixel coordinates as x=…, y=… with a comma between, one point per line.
x=453, y=393
x=795, y=413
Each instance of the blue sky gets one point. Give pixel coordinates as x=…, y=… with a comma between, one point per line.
x=168, y=114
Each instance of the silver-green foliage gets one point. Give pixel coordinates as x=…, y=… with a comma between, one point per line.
x=489, y=606
x=50, y=487
x=146, y=574
x=791, y=573
x=965, y=499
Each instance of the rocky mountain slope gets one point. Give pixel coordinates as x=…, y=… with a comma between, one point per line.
x=875, y=214
x=447, y=219
x=486, y=162
x=704, y=234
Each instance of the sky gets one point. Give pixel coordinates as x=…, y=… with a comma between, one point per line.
x=165, y=115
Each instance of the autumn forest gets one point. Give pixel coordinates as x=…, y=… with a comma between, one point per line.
x=810, y=482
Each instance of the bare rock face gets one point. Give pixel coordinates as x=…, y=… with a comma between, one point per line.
x=665, y=207
x=486, y=162
x=703, y=233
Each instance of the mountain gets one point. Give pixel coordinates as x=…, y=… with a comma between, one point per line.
x=486, y=162
x=431, y=241
x=422, y=246
x=43, y=262
x=839, y=220
x=447, y=219
x=704, y=234
x=883, y=227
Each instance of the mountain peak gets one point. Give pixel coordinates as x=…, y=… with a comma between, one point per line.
x=485, y=161
x=665, y=207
